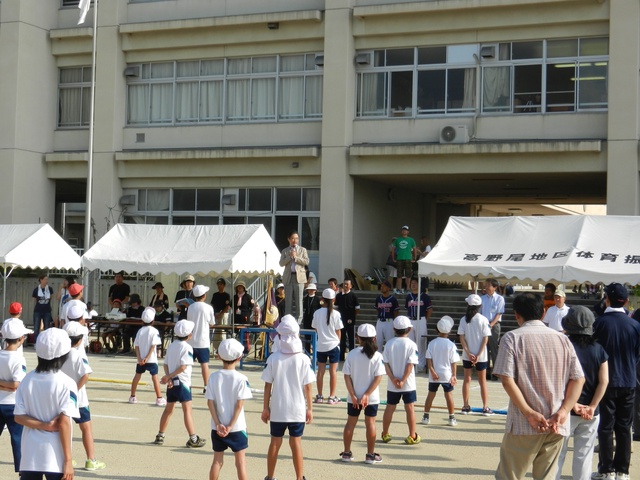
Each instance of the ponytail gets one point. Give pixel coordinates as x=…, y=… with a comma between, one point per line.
x=329, y=309
x=472, y=310
x=369, y=346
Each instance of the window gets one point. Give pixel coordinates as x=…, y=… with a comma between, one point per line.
x=74, y=97
x=250, y=89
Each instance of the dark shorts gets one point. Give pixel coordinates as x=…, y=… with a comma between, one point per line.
x=201, y=355
x=178, y=393
x=152, y=368
x=39, y=475
x=85, y=415
x=405, y=268
x=369, y=410
x=296, y=429
x=236, y=441
x=447, y=387
x=480, y=366
x=332, y=356
x=393, y=398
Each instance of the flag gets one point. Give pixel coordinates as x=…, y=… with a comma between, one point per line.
x=83, y=5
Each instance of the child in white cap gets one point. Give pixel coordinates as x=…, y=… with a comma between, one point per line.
x=145, y=344
x=77, y=368
x=226, y=392
x=202, y=316
x=287, y=395
x=178, y=363
x=400, y=357
x=46, y=400
x=363, y=369
x=328, y=325
x=13, y=368
x=442, y=356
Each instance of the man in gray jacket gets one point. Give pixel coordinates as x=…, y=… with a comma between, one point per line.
x=294, y=258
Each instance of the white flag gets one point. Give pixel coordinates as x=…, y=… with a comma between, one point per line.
x=84, y=8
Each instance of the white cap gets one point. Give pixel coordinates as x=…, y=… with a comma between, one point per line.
x=366, y=330
x=14, y=328
x=473, y=300
x=149, y=315
x=312, y=286
x=183, y=328
x=280, y=285
x=401, y=322
x=52, y=343
x=200, y=290
x=230, y=350
x=445, y=324
x=329, y=293
x=76, y=310
x=288, y=326
x=74, y=329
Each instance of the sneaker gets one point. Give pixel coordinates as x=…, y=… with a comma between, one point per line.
x=133, y=399
x=318, y=399
x=413, y=441
x=204, y=391
x=622, y=476
x=161, y=402
x=425, y=419
x=452, y=422
x=466, y=410
x=159, y=439
x=372, y=458
x=271, y=478
x=200, y=442
x=603, y=476
x=346, y=456
x=333, y=400
x=487, y=412
x=386, y=437
x=94, y=465
x=74, y=463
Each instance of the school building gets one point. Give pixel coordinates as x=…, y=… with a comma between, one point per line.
x=343, y=119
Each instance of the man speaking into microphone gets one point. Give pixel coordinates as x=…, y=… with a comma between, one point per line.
x=294, y=258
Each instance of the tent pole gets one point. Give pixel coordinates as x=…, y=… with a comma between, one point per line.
x=475, y=284
x=5, y=275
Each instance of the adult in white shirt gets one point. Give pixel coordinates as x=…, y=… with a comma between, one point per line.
x=202, y=316
x=554, y=315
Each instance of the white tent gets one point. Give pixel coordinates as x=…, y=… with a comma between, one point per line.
x=217, y=250
x=33, y=246
x=561, y=248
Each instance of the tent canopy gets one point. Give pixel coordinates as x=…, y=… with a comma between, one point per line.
x=203, y=250
x=35, y=246
x=562, y=248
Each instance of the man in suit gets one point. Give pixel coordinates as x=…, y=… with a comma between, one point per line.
x=294, y=258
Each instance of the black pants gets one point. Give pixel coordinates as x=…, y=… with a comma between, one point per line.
x=616, y=416
x=347, y=337
x=492, y=344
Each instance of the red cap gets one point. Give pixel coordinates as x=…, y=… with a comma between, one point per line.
x=75, y=289
x=15, y=308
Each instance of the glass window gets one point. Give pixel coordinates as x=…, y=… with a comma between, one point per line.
x=266, y=221
x=234, y=220
x=259, y=199
x=153, y=200
x=594, y=46
x=401, y=93
x=74, y=97
x=156, y=220
x=208, y=199
x=310, y=233
x=432, y=55
x=292, y=63
x=562, y=48
x=161, y=109
x=400, y=56
x=188, y=69
x=527, y=88
x=372, y=94
x=432, y=91
x=592, y=85
x=263, y=98
x=263, y=64
x=561, y=87
x=311, y=199
x=184, y=199
x=183, y=220
x=211, y=67
x=496, y=89
x=461, y=53
x=461, y=89
x=525, y=50
x=200, y=220
x=138, y=104
x=287, y=199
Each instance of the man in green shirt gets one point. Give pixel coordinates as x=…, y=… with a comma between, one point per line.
x=404, y=252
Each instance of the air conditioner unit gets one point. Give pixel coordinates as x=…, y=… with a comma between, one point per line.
x=454, y=134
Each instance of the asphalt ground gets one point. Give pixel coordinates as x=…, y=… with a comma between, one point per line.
x=124, y=434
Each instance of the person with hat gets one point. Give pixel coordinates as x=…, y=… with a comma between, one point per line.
x=387, y=307
x=129, y=332
x=201, y=314
x=474, y=332
x=554, y=315
x=145, y=344
x=13, y=368
x=119, y=290
x=619, y=335
x=442, y=356
x=287, y=403
x=363, y=370
x=77, y=368
x=348, y=305
x=328, y=325
x=75, y=299
x=242, y=304
x=177, y=377
x=185, y=297
x=159, y=296
x=226, y=392
x=62, y=296
x=294, y=259
x=404, y=254
x=163, y=317
x=42, y=295
x=280, y=300
x=400, y=357
x=45, y=405
x=15, y=310
x=221, y=302
x=310, y=304
x=542, y=376
x=585, y=415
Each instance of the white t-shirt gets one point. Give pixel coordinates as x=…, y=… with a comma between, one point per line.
x=13, y=368
x=443, y=353
x=474, y=333
x=288, y=373
x=45, y=396
x=554, y=317
x=76, y=367
x=180, y=353
x=363, y=371
x=327, y=334
x=398, y=353
x=65, y=309
x=146, y=338
x=201, y=314
x=225, y=388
